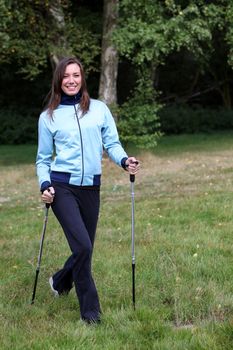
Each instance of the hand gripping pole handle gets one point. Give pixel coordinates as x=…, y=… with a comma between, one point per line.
x=131, y=176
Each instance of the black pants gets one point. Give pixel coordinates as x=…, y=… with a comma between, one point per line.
x=77, y=210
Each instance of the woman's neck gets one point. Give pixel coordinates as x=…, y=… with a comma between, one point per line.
x=70, y=100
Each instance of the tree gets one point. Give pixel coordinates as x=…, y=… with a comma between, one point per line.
x=149, y=33
x=109, y=55
x=33, y=32
x=60, y=47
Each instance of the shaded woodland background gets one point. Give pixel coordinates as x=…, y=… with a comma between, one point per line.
x=161, y=66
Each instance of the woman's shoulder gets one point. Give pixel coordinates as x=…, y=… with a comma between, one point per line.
x=60, y=110
x=44, y=114
x=94, y=103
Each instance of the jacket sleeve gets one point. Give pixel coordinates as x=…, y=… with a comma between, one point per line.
x=44, y=152
x=110, y=139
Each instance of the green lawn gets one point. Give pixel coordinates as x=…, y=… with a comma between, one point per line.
x=184, y=260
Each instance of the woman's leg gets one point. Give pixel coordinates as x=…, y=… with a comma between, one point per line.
x=70, y=206
x=89, y=202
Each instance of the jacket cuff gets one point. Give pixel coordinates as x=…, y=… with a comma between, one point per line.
x=123, y=160
x=44, y=186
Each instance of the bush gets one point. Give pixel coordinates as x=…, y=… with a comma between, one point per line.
x=18, y=128
x=138, y=121
x=138, y=125
x=184, y=119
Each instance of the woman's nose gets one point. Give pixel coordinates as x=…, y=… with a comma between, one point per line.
x=71, y=80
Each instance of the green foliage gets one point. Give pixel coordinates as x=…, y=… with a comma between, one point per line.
x=149, y=33
x=17, y=128
x=229, y=32
x=152, y=31
x=184, y=119
x=84, y=44
x=138, y=122
x=26, y=34
x=29, y=36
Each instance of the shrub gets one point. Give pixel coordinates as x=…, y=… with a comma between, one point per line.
x=138, y=125
x=184, y=119
x=138, y=121
x=18, y=128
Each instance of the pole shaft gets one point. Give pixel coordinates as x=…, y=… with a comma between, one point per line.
x=132, y=222
x=133, y=284
x=42, y=237
x=34, y=289
x=132, y=179
x=40, y=253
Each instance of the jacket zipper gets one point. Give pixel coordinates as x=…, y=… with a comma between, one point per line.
x=81, y=141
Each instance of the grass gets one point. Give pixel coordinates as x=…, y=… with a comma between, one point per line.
x=184, y=266
x=15, y=155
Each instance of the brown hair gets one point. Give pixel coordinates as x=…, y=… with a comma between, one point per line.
x=54, y=95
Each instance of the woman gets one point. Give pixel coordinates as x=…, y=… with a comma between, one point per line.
x=73, y=130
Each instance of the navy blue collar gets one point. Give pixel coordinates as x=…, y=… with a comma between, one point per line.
x=70, y=100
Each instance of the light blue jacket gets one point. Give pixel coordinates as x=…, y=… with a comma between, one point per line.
x=70, y=150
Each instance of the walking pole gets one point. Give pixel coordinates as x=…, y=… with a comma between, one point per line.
x=132, y=179
x=40, y=251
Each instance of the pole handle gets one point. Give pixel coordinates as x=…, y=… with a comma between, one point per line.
x=132, y=177
x=47, y=205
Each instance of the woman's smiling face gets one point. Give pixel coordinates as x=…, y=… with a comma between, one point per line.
x=72, y=80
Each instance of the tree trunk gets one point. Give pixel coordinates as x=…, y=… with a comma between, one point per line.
x=226, y=95
x=59, y=46
x=109, y=55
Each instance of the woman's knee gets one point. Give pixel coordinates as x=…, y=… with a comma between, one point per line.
x=83, y=250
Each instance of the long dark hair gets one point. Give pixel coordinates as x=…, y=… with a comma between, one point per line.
x=54, y=96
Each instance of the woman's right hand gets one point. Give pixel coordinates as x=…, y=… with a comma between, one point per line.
x=48, y=195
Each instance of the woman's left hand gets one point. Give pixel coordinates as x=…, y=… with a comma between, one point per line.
x=132, y=165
